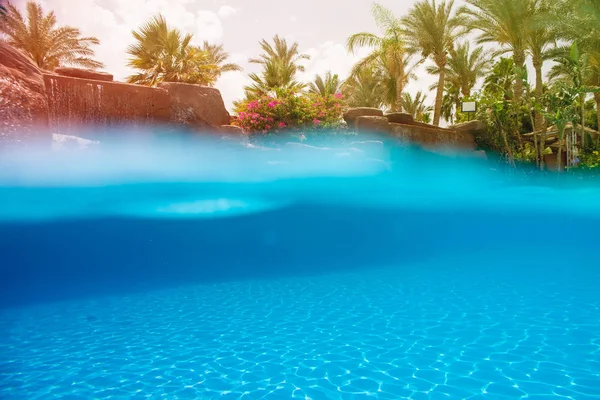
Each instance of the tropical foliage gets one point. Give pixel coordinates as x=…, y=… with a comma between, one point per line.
x=416, y=107
x=47, y=44
x=163, y=54
x=285, y=110
x=529, y=115
x=329, y=85
x=281, y=63
x=431, y=29
x=388, y=59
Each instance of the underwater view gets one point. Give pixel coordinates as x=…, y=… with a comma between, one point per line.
x=317, y=200
x=200, y=269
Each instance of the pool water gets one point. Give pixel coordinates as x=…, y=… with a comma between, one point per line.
x=369, y=276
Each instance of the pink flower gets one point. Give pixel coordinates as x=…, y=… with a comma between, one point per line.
x=252, y=105
x=272, y=104
x=282, y=125
x=338, y=95
x=316, y=121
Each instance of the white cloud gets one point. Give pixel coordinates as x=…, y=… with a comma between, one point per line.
x=330, y=56
x=226, y=11
x=208, y=26
x=231, y=85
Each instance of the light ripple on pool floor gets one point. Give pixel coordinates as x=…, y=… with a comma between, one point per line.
x=387, y=334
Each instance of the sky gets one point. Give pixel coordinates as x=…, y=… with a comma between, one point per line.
x=320, y=27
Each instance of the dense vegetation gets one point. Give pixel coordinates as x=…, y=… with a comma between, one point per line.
x=481, y=52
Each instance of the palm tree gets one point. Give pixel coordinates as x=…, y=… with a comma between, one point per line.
x=507, y=23
x=500, y=80
x=280, y=63
x=539, y=41
x=217, y=56
x=48, y=45
x=274, y=76
x=389, y=53
x=416, y=106
x=364, y=89
x=329, y=85
x=465, y=67
x=166, y=55
x=450, y=102
x=577, y=20
x=432, y=30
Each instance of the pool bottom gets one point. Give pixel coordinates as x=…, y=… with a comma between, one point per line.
x=440, y=330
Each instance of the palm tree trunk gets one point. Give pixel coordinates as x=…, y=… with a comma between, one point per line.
x=519, y=58
x=439, y=96
x=582, y=110
x=561, y=135
x=542, y=149
x=597, y=98
x=399, y=90
x=539, y=92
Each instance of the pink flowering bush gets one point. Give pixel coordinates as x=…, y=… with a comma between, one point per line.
x=287, y=111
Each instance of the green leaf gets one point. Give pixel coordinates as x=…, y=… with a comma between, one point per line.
x=574, y=53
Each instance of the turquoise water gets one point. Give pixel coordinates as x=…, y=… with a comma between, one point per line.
x=355, y=269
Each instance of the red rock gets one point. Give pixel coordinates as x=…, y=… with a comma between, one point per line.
x=75, y=103
x=23, y=104
x=400, y=118
x=473, y=127
x=196, y=106
x=84, y=73
x=231, y=130
x=352, y=114
x=434, y=138
x=372, y=124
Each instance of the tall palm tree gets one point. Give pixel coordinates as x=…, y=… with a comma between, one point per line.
x=432, y=29
x=217, y=56
x=329, y=85
x=416, y=106
x=465, y=67
x=541, y=38
x=281, y=63
x=388, y=51
x=162, y=54
x=365, y=89
x=47, y=44
x=507, y=23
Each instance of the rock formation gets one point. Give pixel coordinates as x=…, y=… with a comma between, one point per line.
x=76, y=103
x=84, y=74
x=23, y=102
x=197, y=107
x=352, y=114
x=405, y=128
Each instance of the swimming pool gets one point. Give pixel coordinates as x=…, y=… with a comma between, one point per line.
x=391, y=274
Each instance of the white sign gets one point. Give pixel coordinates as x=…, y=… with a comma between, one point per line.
x=469, y=106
